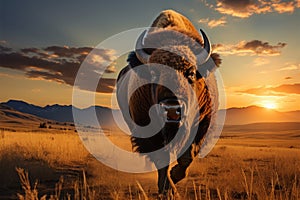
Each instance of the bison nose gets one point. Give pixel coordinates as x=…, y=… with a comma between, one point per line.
x=171, y=110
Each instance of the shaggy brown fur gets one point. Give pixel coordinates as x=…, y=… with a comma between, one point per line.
x=171, y=20
x=168, y=38
x=176, y=44
x=171, y=57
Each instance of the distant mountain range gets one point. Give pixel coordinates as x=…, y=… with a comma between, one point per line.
x=62, y=113
x=12, y=119
x=255, y=114
x=55, y=112
x=10, y=115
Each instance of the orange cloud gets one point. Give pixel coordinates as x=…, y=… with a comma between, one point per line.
x=254, y=47
x=240, y=8
x=290, y=67
x=214, y=22
x=261, y=61
x=288, y=88
x=246, y=8
x=283, y=7
x=111, y=69
x=280, y=90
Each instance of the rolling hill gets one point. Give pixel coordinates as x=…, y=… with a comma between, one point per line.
x=265, y=126
x=12, y=119
x=255, y=114
x=63, y=113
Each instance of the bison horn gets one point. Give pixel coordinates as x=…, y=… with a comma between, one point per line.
x=140, y=53
x=202, y=57
x=205, y=53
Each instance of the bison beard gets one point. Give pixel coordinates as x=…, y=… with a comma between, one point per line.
x=181, y=55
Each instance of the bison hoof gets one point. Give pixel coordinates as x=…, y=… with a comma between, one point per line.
x=167, y=196
x=170, y=195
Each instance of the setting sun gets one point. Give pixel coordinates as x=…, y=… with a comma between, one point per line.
x=269, y=105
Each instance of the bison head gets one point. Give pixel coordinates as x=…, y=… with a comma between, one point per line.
x=188, y=55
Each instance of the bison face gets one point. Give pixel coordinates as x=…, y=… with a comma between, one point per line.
x=176, y=103
x=165, y=94
x=183, y=56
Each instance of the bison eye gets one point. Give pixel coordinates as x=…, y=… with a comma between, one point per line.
x=191, y=76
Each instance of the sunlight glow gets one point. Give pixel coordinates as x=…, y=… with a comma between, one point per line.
x=269, y=105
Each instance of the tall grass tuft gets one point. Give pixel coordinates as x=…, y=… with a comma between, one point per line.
x=248, y=186
x=82, y=191
x=142, y=190
x=30, y=193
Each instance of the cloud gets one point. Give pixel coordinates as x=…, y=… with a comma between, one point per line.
x=6, y=75
x=246, y=8
x=288, y=88
x=61, y=64
x=214, y=22
x=3, y=42
x=283, y=7
x=36, y=90
x=106, y=85
x=239, y=8
x=290, y=67
x=280, y=90
x=254, y=47
x=261, y=61
x=260, y=91
x=110, y=69
x=203, y=20
x=5, y=49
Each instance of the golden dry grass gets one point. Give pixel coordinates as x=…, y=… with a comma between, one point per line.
x=243, y=165
x=45, y=155
x=62, y=148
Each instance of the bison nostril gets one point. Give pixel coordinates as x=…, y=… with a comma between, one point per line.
x=171, y=110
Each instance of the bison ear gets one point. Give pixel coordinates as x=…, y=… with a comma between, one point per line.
x=216, y=58
x=133, y=60
x=209, y=66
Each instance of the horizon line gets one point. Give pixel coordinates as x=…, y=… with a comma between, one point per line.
x=105, y=106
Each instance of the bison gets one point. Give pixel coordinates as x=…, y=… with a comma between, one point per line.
x=177, y=103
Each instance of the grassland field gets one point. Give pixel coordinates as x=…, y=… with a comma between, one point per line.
x=249, y=162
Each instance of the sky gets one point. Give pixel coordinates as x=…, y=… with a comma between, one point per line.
x=43, y=43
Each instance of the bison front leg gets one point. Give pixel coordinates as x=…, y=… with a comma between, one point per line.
x=163, y=181
x=161, y=161
x=179, y=171
x=166, y=186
